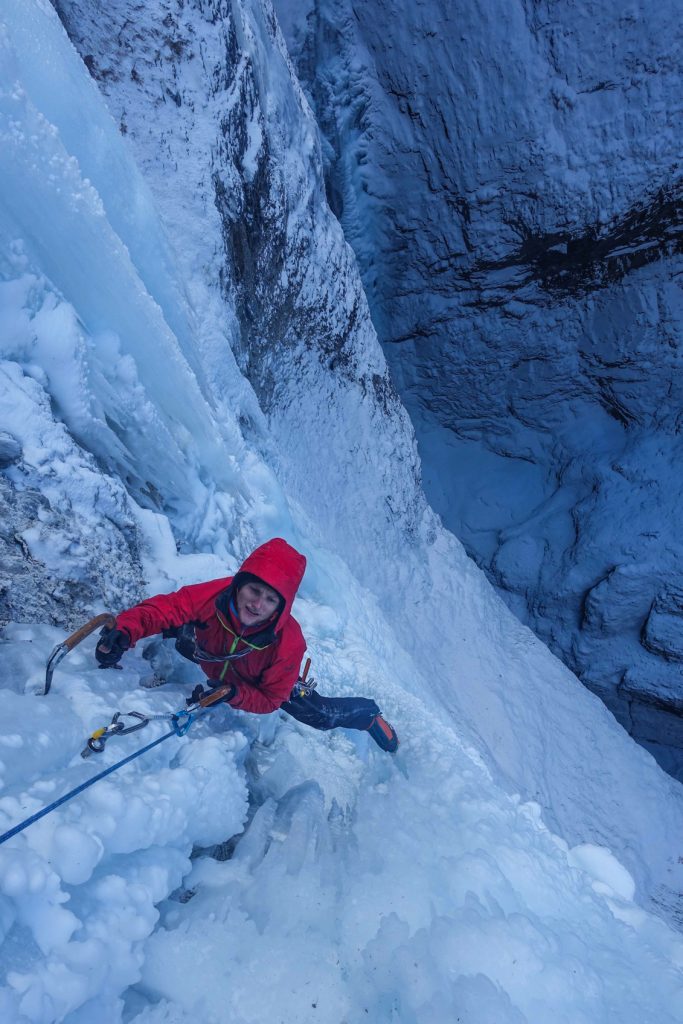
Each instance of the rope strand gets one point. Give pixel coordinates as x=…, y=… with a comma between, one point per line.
x=79, y=789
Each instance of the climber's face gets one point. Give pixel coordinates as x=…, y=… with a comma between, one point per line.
x=256, y=603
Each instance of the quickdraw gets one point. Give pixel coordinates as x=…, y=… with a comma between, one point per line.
x=181, y=721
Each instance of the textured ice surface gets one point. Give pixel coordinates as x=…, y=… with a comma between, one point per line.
x=256, y=869
x=509, y=178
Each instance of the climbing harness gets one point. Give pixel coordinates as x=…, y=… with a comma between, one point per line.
x=189, y=647
x=61, y=650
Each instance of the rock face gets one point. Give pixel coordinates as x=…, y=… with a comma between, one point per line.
x=10, y=449
x=509, y=178
x=56, y=561
x=663, y=630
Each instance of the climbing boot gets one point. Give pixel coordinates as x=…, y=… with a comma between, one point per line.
x=383, y=734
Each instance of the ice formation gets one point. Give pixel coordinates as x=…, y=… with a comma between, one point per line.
x=189, y=367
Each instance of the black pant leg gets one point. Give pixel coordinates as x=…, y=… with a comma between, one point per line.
x=331, y=712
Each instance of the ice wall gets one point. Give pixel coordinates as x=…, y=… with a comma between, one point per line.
x=509, y=178
x=142, y=429
x=339, y=441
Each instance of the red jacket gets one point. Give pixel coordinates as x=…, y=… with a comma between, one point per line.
x=264, y=677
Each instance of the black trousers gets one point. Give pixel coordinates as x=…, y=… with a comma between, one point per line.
x=331, y=712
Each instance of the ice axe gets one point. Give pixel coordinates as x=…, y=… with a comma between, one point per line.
x=61, y=650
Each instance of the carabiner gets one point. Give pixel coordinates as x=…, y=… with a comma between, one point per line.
x=116, y=727
x=182, y=722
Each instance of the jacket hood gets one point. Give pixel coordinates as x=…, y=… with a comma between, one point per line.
x=279, y=565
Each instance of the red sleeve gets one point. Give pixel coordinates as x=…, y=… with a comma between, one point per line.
x=166, y=611
x=275, y=682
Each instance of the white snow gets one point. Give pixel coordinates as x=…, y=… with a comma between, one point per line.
x=516, y=861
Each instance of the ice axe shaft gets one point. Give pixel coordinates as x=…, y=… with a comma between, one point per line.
x=61, y=650
x=214, y=696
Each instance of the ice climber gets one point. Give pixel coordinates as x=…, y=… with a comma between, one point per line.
x=241, y=632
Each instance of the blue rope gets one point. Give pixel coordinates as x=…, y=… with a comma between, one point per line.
x=175, y=731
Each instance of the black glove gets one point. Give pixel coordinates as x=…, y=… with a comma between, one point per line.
x=196, y=695
x=186, y=639
x=113, y=643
